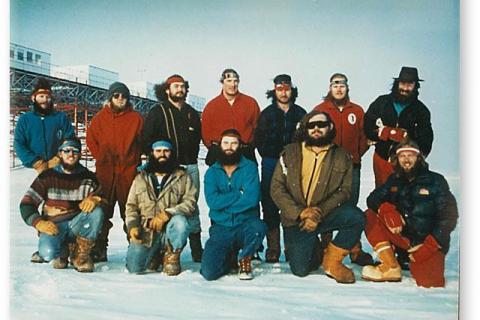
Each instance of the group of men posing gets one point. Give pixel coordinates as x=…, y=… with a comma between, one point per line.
x=310, y=182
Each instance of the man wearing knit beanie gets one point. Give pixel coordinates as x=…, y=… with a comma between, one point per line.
x=39, y=132
x=113, y=138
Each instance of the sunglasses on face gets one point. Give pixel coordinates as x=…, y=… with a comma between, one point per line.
x=74, y=151
x=118, y=96
x=320, y=124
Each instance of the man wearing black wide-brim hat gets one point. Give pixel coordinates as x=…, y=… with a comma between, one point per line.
x=394, y=117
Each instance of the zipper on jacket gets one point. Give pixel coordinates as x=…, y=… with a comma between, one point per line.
x=311, y=177
x=44, y=138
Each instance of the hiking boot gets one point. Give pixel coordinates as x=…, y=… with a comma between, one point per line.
x=195, y=246
x=36, y=258
x=82, y=261
x=245, y=268
x=333, y=266
x=360, y=257
x=272, y=254
x=171, y=261
x=388, y=270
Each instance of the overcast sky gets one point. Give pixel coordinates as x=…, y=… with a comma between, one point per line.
x=368, y=40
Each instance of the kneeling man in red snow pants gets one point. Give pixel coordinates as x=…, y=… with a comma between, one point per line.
x=413, y=212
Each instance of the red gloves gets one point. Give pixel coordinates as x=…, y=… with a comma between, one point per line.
x=424, y=251
x=390, y=216
x=389, y=133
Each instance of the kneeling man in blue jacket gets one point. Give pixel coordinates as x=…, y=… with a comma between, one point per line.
x=232, y=192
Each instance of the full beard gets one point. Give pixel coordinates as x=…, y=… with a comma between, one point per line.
x=402, y=98
x=68, y=167
x=229, y=159
x=43, y=111
x=163, y=167
x=177, y=98
x=320, y=142
x=410, y=174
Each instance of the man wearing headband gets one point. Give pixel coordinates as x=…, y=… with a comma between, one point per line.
x=230, y=109
x=414, y=211
x=348, y=119
x=394, y=117
x=274, y=130
x=160, y=200
x=39, y=132
x=176, y=120
x=311, y=185
x=232, y=192
x=72, y=213
x=114, y=139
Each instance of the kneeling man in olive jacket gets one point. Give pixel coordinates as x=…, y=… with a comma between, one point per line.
x=311, y=186
x=160, y=199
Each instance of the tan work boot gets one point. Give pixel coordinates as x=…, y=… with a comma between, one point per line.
x=171, y=261
x=388, y=270
x=245, y=268
x=272, y=254
x=333, y=267
x=82, y=261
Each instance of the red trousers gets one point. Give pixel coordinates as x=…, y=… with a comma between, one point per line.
x=428, y=273
x=382, y=169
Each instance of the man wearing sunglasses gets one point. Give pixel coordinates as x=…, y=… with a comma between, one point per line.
x=311, y=186
x=71, y=216
x=40, y=131
x=348, y=119
x=114, y=139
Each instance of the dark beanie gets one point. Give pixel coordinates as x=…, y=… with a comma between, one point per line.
x=282, y=79
x=41, y=86
x=118, y=87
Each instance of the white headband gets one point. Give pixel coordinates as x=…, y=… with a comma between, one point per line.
x=407, y=149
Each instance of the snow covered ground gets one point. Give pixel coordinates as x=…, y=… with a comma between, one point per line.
x=37, y=291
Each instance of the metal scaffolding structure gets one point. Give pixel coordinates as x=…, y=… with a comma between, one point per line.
x=80, y=101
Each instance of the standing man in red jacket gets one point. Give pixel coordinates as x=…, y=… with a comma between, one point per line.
x=348, y=119
x=231, y=109
x=114, y=141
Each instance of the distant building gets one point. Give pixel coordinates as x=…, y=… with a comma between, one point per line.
x=143, y=89
x=87, y=74
x=197, y=102
x=29, y=59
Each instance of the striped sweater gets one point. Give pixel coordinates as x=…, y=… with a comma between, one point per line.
x=60, y=193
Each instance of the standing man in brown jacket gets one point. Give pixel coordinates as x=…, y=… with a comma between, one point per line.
x=114, y=141
x=311, y=186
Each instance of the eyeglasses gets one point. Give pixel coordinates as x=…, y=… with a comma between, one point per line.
x=74, y=151
x=119, y=95
x=320, y=124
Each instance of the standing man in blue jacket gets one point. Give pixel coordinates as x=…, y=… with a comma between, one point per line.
x=39, y=132
x=275, y=129
x=232, y=192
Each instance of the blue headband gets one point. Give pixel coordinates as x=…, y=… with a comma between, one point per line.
x=70, y=143
x=162, y=143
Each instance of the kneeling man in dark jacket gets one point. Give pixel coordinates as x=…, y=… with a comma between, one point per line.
x=311, y=186
x=414, y=211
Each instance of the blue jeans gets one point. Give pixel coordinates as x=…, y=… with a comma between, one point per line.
x=271, y=214
x=355, y=186
x=176, y=233
x=194, y=220
x=347, y=219
x=85, y=225
x=248, y=236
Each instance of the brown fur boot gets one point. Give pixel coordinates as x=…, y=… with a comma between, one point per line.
x=171, y=261
x=333, y=267
x=388, y=270
x=273, y=246
x=82, y=260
